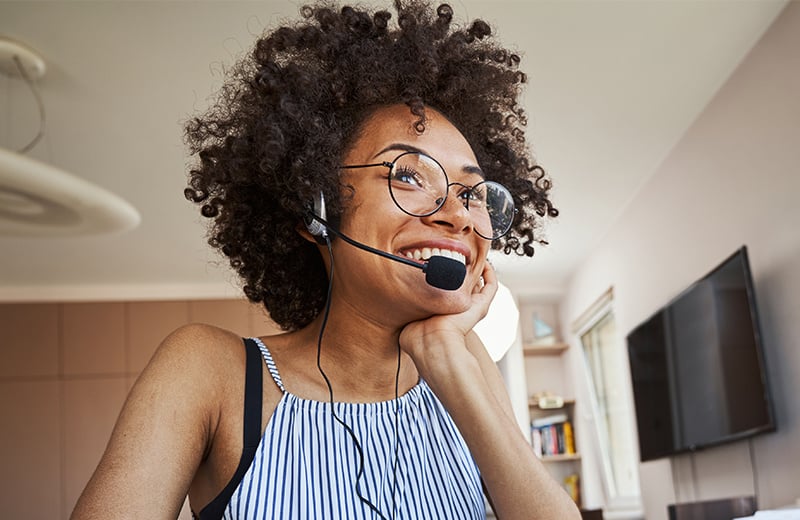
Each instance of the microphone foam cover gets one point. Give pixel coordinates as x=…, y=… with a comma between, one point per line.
x=445, y=273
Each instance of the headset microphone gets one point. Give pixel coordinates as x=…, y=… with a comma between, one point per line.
x=440, y=271
x=444, y=273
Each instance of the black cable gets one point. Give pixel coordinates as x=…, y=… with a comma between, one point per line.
x=676, y=491
x=694, y=477
x=753, y=469
x=396, y=432
x=347, y=428
x=39, y=104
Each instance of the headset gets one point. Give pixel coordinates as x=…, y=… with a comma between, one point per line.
x=315, y=219
x=440, y=271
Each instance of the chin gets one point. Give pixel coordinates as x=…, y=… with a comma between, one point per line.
x=440, y=301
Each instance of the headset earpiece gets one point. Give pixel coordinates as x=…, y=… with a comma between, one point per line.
x=314, y=226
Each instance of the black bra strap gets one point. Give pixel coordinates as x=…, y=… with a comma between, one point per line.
x=252, y=430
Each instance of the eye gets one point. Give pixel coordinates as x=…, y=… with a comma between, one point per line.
x=406, y=175
x=473, y=196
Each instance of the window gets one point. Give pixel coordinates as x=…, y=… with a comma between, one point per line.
x=609, y=388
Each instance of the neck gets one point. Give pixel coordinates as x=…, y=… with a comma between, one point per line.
x=359, y=355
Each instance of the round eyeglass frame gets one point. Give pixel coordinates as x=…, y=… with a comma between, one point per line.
x=442, y=200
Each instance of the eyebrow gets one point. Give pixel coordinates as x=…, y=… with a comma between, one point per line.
x=400, y=147
x=404, y=147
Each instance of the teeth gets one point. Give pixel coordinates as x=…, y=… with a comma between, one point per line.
x=426, y=253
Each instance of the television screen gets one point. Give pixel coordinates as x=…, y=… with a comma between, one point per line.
x=697, y=366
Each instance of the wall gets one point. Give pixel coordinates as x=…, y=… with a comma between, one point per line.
x=732, y=179
x=65, y=370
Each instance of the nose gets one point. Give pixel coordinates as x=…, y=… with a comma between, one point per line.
x=453, y=215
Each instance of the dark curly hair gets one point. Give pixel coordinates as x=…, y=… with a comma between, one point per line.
x=289, y=111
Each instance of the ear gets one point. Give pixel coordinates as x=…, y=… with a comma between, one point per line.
x=302, y=230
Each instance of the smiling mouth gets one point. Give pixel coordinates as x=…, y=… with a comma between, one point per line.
x=426, y=253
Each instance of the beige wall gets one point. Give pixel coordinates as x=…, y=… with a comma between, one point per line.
x=65, y=370
x=733, y=179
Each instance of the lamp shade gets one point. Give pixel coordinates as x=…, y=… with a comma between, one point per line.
x=498, y=329
x=37, y=199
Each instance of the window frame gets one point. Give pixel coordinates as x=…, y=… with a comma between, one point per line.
x=599, y=311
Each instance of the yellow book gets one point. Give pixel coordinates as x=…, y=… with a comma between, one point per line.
x=572, y=487
x=569, y=439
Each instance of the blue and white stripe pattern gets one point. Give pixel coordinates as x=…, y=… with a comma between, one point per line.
x=306, y=464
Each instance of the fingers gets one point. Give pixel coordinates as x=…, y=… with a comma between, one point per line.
x=479, y=286
x=489, y=277
x=483, y=293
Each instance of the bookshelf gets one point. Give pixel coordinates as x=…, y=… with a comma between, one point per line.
x=556, y=349
x=564, y=457
x=553, y=432
x=553, y=440
x=546, y=368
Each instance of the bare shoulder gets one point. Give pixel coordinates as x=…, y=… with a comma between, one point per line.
x=200, y=364
x=193, y=370
x=201, y=341
x=198, y=350
x=165, y=427
x=196, y=374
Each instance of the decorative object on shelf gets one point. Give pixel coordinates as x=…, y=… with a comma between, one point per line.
x=547, y=400
x=37, y=199
x=498, y=329
x=542, y=332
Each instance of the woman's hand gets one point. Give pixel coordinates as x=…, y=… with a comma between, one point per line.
x=428, y=340
x=455, y=364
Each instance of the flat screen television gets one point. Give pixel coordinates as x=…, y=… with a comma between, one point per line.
x=697, y=366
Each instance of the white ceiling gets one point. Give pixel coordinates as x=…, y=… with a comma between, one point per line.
x=613, y=87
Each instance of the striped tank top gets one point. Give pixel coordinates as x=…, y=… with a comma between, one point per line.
x=305, y=464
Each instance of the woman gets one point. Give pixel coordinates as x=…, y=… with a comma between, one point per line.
x=342, y=140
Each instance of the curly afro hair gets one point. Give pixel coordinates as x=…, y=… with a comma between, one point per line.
x=288, y=112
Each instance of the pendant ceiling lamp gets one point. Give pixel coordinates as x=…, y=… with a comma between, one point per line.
x=41, y=200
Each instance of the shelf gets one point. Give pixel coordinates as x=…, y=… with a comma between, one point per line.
x=556, y=349
x=561, y=458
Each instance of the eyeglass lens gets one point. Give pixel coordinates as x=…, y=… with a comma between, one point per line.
x=419, y=186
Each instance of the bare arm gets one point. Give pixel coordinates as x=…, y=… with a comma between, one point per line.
x=160, y=436
x=456, y=366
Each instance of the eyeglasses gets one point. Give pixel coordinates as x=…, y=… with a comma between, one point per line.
x=419, y=186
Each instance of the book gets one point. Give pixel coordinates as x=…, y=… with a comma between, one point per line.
x=569, y=439
x=536, y=441
x=547, y=444
x=553, y=438
x=559, y=428
x=548, y=420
